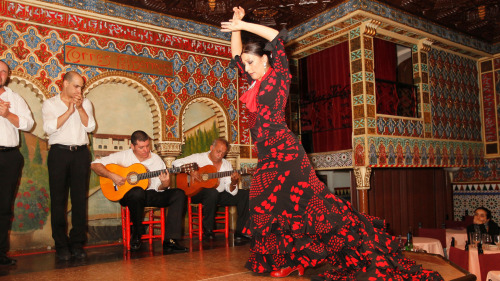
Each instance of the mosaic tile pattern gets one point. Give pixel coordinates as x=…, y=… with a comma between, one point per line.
x=403, y=152
x=489, y=171
x=341, y=159
x=454, y=92
x=38, y=51
x=400, y=127
x=137, y=15
x=467, y=197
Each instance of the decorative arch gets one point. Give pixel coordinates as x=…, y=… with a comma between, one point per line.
x=34, y=85
x=220, y=111
x=154, y=102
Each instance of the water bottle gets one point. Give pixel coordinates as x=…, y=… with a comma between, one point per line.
x=409, y=241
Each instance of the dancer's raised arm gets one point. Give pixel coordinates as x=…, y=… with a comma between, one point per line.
x=236, y=25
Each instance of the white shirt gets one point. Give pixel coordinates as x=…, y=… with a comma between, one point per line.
x=9, y=135
x=127, y=157
x=202, y=160
x=72, y=132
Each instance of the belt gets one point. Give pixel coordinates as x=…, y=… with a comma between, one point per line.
x=7, y=148
x=69, y=147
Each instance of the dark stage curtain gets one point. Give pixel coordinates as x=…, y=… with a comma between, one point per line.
x=326, y=103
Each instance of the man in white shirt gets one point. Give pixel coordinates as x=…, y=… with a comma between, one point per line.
x=67, y=119
x=226, y=193
x=14, y=116
x=156, y=195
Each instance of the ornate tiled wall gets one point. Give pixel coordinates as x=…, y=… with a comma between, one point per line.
x=389, y=152
x=200, y=68
x=454, y=97
x=467, y=197
x=490, y=85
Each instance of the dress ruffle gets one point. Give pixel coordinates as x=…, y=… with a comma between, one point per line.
x=296, y=220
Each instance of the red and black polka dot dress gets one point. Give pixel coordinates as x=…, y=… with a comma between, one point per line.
x=294, y=217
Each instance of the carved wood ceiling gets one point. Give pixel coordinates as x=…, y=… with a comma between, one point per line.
x=477, y=18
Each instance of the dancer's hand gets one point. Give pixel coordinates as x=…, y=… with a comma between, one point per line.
x=234, y=24
x=231, y=25
x=239, y=13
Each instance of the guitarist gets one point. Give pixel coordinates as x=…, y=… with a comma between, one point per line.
x=226, y=194
x=156, y=195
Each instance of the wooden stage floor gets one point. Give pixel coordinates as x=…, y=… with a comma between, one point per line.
x=220, y=259
x=213, y=260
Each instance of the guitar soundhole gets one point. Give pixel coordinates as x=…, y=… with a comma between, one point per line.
x=204, y=177
x=132, y=178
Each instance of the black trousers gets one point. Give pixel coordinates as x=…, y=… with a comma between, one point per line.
x=68, y=172
x=175, y=199
x=11, y=164
x=211, y=198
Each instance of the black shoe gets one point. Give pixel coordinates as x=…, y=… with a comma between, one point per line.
x=63, y=254
x=208, y=235
x=172, y=246
x=78, y=252
x=4, y=260
x=135, y=243
x=241, y=236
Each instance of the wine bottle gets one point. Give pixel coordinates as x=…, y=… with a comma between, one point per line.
x=452, y=241
x=480, y=248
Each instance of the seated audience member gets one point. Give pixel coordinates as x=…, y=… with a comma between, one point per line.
x=483, y=223
x=156, y=195
x=226, y=193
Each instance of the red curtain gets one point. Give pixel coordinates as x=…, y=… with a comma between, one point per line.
x=385, y=59
x=326, y=110
x=385, y=69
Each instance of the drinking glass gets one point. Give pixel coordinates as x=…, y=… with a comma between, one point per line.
x=486, y=239
x=496, y=240
x=476, y=238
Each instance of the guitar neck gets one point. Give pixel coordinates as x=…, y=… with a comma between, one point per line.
x=223, y=174
x=153, y=174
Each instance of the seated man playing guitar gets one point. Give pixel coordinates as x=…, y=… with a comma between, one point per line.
x=226, y=192
x=157, y=193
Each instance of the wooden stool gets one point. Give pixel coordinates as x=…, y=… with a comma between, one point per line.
x=196, y=218
x=154, y=222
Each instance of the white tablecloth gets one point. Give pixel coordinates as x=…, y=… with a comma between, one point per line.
x=460, y=236
x=430, y=245
x=493, y=276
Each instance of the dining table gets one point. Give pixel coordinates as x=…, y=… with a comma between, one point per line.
x=429, y=245
x=474, y=266
x=460, y=235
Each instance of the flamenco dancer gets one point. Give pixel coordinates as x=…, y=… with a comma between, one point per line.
x=295, y=222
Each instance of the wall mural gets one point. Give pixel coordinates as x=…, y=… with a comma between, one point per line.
x=123, y=102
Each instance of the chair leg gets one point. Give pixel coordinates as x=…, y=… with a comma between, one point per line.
x=127, y=223
x=200, y=222
x=226, y=224
x=162, y=219
x=151, y=226
x=190, y=219
x=124, y=227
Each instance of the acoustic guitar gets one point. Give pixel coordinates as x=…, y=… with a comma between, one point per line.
x=209, y=179
x=135, y=175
